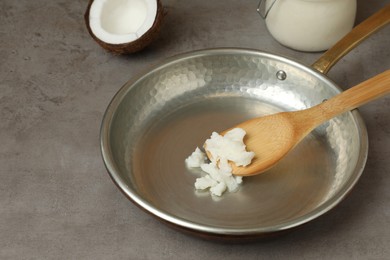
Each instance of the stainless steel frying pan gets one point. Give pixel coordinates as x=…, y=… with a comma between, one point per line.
x=156, y=120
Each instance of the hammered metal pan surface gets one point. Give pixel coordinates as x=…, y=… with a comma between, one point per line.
x=155, y=121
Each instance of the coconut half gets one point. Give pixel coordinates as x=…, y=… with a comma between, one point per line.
x=123, y=26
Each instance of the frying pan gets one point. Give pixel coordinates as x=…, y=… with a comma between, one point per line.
x=158, y=118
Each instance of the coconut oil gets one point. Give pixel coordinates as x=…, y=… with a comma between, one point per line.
x=309, y=25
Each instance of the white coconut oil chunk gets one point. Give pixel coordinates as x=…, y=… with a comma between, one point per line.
x=196, y=159
x=223, y=150
x=121, y=21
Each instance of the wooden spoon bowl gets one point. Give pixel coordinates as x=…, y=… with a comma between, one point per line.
x=272, y=137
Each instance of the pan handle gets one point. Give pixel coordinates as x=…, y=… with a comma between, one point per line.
x=352, y=39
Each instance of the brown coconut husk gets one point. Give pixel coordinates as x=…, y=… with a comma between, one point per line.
x=134, y=46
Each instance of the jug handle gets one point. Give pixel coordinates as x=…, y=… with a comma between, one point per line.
x=262, y=10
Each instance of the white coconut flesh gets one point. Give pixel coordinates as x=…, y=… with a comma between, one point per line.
x=121, y=21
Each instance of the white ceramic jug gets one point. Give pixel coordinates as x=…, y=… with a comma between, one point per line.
x=308, y=25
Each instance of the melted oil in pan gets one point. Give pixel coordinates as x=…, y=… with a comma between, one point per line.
x=291, y=189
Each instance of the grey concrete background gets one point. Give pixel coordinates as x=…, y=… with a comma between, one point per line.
x=56, y=199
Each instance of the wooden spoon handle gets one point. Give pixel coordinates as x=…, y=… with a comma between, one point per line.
x=354, y=97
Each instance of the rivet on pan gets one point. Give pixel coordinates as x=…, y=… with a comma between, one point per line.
x=281, y=75
x=324, y=100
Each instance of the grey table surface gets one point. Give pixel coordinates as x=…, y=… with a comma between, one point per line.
x=56, y=199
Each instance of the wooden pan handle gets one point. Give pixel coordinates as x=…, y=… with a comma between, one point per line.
x=352, y=39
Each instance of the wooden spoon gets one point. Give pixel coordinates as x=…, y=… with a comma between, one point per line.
x=272, y=137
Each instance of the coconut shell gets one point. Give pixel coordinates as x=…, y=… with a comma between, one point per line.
x=134, y=46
